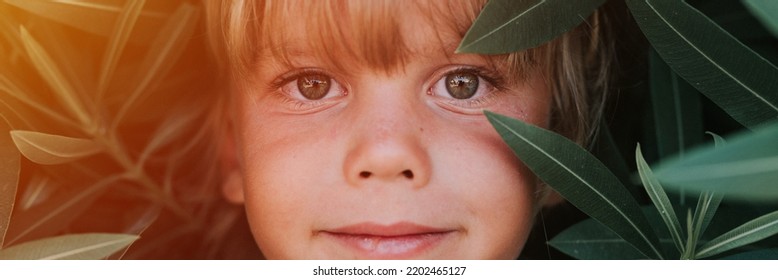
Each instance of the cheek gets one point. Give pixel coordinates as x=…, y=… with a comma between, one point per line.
x=493, y=188
x=281, y=161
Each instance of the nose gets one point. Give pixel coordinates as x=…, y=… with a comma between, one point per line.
x=387, y=148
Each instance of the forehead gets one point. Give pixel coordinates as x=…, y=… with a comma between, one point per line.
x=381, y=35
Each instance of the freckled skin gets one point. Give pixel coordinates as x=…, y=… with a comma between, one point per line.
x=301, y=170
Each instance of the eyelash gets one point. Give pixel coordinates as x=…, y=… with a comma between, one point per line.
x=494, y=83
x=298, y=105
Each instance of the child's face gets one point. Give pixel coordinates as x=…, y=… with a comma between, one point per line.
x=366, y=163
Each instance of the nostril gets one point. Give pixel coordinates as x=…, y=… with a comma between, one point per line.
x=364, y=174
x=408, y=174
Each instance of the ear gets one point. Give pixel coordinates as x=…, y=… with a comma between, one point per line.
x=232, y=176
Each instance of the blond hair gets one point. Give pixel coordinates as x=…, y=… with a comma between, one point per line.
x=575, y=65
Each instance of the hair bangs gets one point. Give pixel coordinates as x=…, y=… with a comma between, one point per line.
x=340, y=34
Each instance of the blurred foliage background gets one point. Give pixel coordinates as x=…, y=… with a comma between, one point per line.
x=107, y=101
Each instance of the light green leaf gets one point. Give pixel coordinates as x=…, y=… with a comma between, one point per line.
x=733, y=76
x=755, y=230
x=718, y=140
x=677, y=110
x=507, y=25
x=707, y=204
x=162, y=54
x=582, y=179
x=53, y=76
x=91, y=246
x=765, y=11
x=93, y=16
x=660, y=200
x=118, y=40
x=45, y=148
x=746, y=167
x=9, y=178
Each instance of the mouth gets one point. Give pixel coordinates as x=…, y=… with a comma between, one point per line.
x=395, y=241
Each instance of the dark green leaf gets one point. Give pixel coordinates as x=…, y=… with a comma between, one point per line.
x=764, y=254
x=710, y=59
x=677, y=110
x=9, y=178
x=507, y=25
x=590, y=240
x=606, y=150
x=765, y=11
x=69, y=247
x=660, y=200
x=752, y=231
x=746, y=167
x=578, y=176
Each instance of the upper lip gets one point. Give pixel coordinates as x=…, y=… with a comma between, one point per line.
x=396, y=229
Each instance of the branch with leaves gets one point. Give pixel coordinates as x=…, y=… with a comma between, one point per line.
x=709, y=60
x=75, y=114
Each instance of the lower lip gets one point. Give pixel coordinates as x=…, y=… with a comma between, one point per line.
x=390, y=247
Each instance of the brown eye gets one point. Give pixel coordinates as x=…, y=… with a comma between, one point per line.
x=461, y=85
x=314, y=87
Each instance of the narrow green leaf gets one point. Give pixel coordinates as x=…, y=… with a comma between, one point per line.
x=507, y=26
x=53, y=76
x=718, y=140
x=174, y=126
x=162, y=54
x=660, y=200
x=54, y=215
x=765, y=11
x=90, y=246
x=755, y=230
x=9, y=178
x=746, y=167
x=582, y=179
x=707, y=204
x=7, y=86
x=45, y=148
x=118, y=40
x=733, y=76
x=688, y=251
x=677, y=109
x=38, y=189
